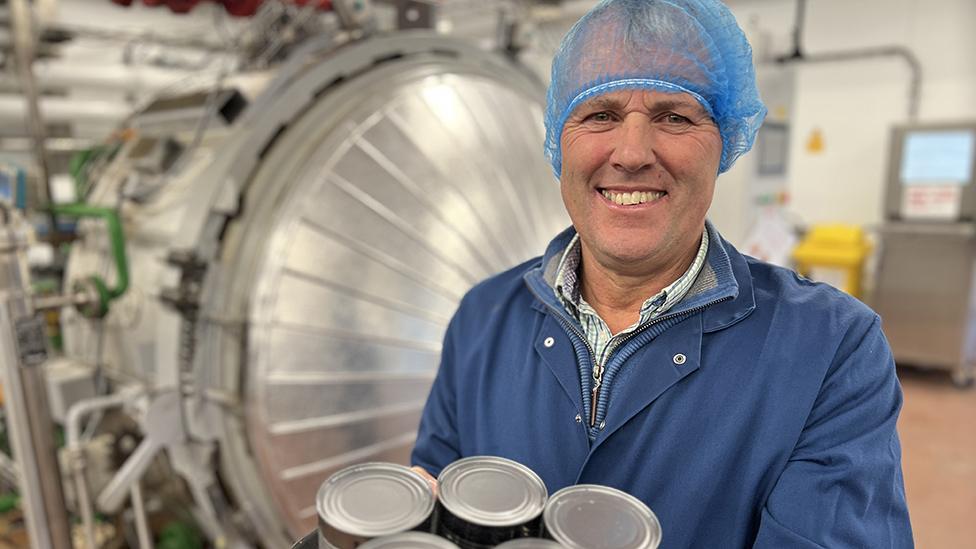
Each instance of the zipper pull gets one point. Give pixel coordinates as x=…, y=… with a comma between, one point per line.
x=595, y=393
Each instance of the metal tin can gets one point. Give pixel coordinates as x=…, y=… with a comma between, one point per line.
x=587, y=516
x=371, y=500
x=530, y=543
x=409, y=540
x=310, y=541
x=484, y=501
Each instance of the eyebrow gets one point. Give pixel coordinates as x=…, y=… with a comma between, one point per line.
x=673, y=104
x=608, y=103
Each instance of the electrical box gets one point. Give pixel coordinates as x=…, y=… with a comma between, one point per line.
x=68, y=382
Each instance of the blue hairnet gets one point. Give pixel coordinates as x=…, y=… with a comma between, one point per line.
x=691, y=46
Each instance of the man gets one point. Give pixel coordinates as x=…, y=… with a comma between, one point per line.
x=746, y=406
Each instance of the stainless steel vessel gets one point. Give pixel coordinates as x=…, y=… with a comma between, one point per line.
x=292, y=274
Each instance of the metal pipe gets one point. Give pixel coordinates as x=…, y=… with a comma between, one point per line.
x=55, y=74
x=18, y=426
x=24, y=51
x=84, y=498
x=117, y=241
x=64, y=110
x=79, y=410
x=184, y=42
x=901, y=52
x=112, y=496
x=76, y=413
x=53, y=144
x=139, y=510
x=22, y=353
x=60, y=301
x=42, y=427
x=798, y=25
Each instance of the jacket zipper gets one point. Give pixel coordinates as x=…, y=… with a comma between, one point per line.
x=598, y=369
x=595, y=393
x=597, y=377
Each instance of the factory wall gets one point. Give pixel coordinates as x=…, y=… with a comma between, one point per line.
x=852, y=104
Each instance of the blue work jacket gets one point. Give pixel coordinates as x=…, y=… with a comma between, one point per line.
x=759, y=412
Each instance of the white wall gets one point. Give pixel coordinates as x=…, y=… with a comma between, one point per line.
x=854, y=104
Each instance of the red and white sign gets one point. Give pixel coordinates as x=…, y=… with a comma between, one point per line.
x=942, y=202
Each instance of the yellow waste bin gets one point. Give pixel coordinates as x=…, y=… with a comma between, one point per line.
x=834, y=254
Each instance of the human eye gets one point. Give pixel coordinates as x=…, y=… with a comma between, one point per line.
x=599, y=117
x=676, y=119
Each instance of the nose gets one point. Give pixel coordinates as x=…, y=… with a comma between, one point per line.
x=634, y=147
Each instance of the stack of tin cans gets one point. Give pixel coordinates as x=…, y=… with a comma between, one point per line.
x=372, y=500
x=483, y=502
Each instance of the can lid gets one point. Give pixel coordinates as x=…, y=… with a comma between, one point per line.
x=491, y=491
x=409, y=540
x=374, y=499
x=588, y=515
x=529, y=543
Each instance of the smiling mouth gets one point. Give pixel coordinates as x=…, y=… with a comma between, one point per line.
x=632, y=198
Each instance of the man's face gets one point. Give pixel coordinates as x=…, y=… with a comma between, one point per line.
x=662, y=146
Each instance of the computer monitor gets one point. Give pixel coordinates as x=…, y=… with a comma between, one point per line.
x=932, y=174
x=938, y=157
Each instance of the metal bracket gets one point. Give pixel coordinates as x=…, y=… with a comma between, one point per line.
x=186, y=297
x=31, y=340
x=414, y=14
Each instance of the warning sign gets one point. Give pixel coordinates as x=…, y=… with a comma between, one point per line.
x=941, y=202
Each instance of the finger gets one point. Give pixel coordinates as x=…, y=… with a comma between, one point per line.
x=428, y=477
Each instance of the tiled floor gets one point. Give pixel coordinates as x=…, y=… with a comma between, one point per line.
x=938, y=434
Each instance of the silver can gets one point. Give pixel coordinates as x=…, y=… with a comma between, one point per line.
x=310, y=541
x=369, y=501
x=409, y=540
x=587, y=516
x=488, y=500
x=530, y=543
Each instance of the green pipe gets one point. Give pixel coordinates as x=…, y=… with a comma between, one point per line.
x=117, y=241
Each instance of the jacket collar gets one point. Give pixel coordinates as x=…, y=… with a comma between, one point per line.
x=723, y=287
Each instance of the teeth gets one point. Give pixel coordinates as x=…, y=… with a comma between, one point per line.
x=629, y=199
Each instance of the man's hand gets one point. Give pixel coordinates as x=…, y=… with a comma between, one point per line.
x=427, y=476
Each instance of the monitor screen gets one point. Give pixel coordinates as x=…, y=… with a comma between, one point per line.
x=938, y=157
